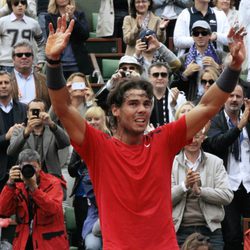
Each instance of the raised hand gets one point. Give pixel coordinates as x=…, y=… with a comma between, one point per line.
x=57, y=41
x=237, y=47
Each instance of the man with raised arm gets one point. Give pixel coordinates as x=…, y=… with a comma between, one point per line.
x=133, y=187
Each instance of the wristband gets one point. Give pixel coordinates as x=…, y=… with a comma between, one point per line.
x=228, y=79
x=55, y=78
x=53, y=62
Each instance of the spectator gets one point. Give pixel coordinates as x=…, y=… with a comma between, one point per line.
x=37, y=204
x=201, y=55
x=128, y=67
x=131, y=171
x=28, y=83
x=228, y=7
x=200, y=188
x=12, y=114
x=75, y=56
x=15, y=27
x=141, y=18
x=149, y=50
x=183, y=109
x=201, y=11
x=40, y=134
x=197, y=241
x=31, y=8
x=228, y=138
x=42, y=7
x=110, y=18
x=166, y=100
x=170, y=10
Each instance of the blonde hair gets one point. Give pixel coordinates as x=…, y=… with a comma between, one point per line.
x=195, y=240
x=97, y=111
x=79, y=74
x=178, y=111
x=53, y=8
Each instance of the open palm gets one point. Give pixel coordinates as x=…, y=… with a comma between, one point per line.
x=57, y=41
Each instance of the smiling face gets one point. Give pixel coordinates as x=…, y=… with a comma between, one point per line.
x=134, y=113
x=142, y=6
x=195, y=145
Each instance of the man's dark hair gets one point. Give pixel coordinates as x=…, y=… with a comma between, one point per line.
x=38, y=100
x=10, y=2
x=158, y=65
x=133, y=9
x=116, y=95
x=28, y=155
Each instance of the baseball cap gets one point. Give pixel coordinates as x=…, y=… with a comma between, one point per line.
x=130, y=60
x=146, y=32
x=202, y=24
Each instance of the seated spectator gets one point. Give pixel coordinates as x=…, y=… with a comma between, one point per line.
x=166, y=100
x=200, y=189
x=128, y=67
x=149, y=50
x=37, y=204
x=28, y=82
x=229, y=10
x=141, y=18
x=16, y=27
x=197, y=241
x=183, y=109
x=217, y=20
x=30, y=11
x=75, y=56
x=201, y=55
x=12, y=114
x=170, y=10
x=40, y=134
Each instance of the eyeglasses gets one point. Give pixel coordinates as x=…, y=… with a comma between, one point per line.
x=197, y=33
x=16, y=3
x=128, y=68
x=203, y=81
x=26, y=54
x=162, y=74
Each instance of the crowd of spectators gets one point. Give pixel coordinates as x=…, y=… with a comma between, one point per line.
x=210, y=175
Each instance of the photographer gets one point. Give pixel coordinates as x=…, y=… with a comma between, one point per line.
x=36, y=199
x=40, y=134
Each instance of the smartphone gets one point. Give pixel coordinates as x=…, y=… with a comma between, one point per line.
x=36, y=112
x=78, y=85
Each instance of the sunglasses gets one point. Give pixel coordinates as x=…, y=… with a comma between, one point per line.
x=26, y=54
x=203, y=81
x=162, y=74
x=128, y=68
x=197, y=33
x=16, y=3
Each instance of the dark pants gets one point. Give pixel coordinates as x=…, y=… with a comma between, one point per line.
x=232, y=223
x=216, y=238
x=80, y=205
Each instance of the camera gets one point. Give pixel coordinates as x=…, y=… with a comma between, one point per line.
x=35, y=112
x=125, y=73
x=27, y=170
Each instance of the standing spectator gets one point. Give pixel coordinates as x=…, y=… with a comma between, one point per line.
x=169, y=9
x=228, y=7
x=228, y=138
x=75, y=56
x=15, y=27
x=40, y=134
x=42, y=10
x=200, y=11
x=131, y=171
x=28, y=82
x=202, y=54
x=37, y=204
x=12, y=114
x=200, y=188
x=141, y=18
x=31, y=8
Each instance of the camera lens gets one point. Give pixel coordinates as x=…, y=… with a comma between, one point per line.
x=28, y=171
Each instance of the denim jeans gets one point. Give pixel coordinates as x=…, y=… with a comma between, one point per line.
x=216, y=238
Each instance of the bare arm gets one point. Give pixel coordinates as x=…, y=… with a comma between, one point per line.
x=215, y=97
x=68, y=115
